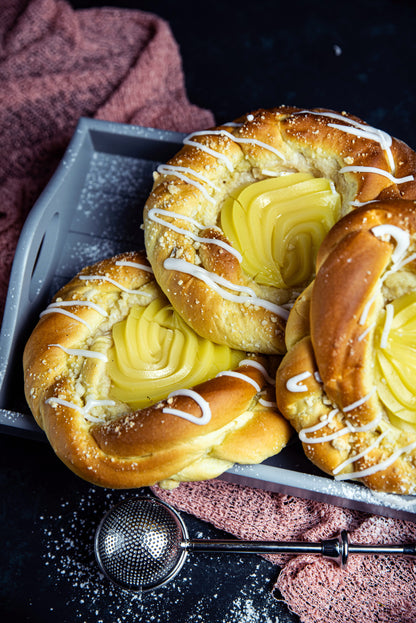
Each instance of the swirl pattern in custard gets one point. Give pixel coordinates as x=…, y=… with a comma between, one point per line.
x=154, y=352
x=395, y=358
x=278, y=224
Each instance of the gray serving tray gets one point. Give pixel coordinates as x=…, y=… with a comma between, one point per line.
x=90, y=210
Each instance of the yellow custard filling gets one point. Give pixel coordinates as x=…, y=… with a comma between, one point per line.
x=278, y=224
x=155, y=353
x=396, y=361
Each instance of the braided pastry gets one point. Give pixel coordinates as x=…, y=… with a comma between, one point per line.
x=235, y=219
x=104, y=373
x=347, y=382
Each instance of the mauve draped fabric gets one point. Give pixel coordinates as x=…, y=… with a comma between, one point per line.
x=372, y=589
x=57, y=65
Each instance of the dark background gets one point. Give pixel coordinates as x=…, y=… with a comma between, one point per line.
x=357, y=56
x=237, y=56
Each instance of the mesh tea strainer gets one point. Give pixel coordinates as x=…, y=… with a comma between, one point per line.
x=142, y=543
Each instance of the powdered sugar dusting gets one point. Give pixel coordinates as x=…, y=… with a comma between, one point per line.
x=231, y=589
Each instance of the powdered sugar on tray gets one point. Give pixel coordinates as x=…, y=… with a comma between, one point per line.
x=70, y=567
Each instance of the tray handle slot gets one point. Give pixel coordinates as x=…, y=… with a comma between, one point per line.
x=36, y=255
x=43, y=258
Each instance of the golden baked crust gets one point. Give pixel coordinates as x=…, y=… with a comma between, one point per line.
x=183, y=214
x=347, y=382
x=71, y=364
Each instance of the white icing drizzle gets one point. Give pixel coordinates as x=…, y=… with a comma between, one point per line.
x=390, y=176
x=218, y=284
x=208, y=277
x=266, y=403
x=178, y=171
x=64, y=403
x=367, y=308
x=365, y=427
x=360, y=455
x=77, y=303
x=373, y=134
x=65, y=312
x=387, y=325
x=332, y=187
x=401, y=237
x=379, y=466
x=312, y=429
x=91, y=404
x=294, y=384
x=360, y=129
x=358, y=204
x=174, y=168
x=220, y=243
x=269, y=173
x=360, y=402
x=254, y=141
x=402, y=263
x=188, y=141
x=56, y=308
x=243, y=377
x=134, y=265
x=349, y=428
x=202, y=403
x=113, y=282
x=343, y=431
x=366, y=332
x=85, y=410
x=325, y=438
x=80, y=352
x=397, y=266
x=258, y=366
x=366, y=131
x=317, y=377
x=181, y=217
x=236, y=139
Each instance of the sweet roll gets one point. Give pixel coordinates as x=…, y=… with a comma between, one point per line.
x=346, y=383
x=235, y=219
x=129, y=395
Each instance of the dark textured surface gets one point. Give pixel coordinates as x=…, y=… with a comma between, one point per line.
x=237, y=56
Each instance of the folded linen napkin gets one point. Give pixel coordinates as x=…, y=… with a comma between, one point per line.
x=372, y=589
x=57, y=65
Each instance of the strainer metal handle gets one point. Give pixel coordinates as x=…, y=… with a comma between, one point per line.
x=337, y=549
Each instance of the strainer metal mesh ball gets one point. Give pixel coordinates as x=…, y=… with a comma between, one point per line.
x=138, y=544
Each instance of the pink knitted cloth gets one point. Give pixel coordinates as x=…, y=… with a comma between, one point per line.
x=372, y=589
x=56, y=65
